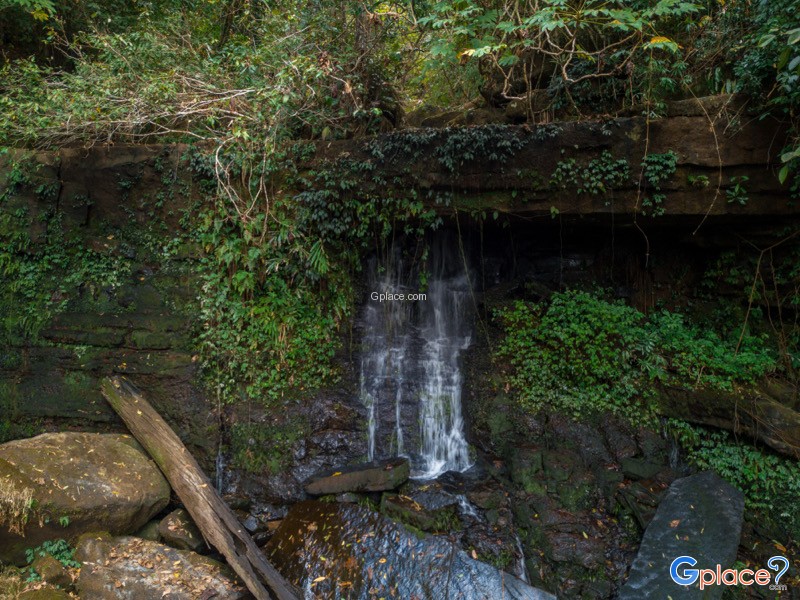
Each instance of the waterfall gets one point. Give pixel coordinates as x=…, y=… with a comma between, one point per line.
x=410, y=362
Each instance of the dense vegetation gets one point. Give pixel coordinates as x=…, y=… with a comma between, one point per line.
x=245, y=80
x=585, y=355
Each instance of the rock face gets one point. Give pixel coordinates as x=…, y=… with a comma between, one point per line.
x=345, y=550
x=128, y=568
x=179, y=531
x=701, y=517
x=60, y=485
x=106, y=200
x=370, y=477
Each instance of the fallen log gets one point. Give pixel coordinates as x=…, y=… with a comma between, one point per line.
x=750, y=411
x=212, y=516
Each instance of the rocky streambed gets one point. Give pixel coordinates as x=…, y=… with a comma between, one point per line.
x=370, y=532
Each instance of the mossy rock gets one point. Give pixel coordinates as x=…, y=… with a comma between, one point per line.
x=51, y=570
x=45, y=593
x=406, y=510
x=59, y=485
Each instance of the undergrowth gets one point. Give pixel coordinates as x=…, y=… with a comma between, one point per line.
x=584, y=355
x=770, y=483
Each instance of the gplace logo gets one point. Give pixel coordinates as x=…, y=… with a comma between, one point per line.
x=719, y=576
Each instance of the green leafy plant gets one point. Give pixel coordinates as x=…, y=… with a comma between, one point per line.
x=770, y=483
x=599, y=177
x=58, y=549
x=737, y=193
x=583, y=355
x=656, y=169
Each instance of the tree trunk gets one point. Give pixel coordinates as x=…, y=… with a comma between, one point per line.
x=215, y=520
x=751, y=412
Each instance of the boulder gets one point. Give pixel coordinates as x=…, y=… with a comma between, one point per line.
x=179, y=531
x=51, y=571
x=129, y=568
x=370, y=477
x=345, y=550
x=44, y=593
x=59, y=485
x=700, y=516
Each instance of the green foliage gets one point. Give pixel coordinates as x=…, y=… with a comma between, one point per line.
x=45, y=277
x=573, y=355
x=582, y=41
x=490, y=142
x=737, y=193
x=584, y=356
x=760, y=280
x=765, y=59
x=656, y=169
x=277, y=284
x=58, y=549
x=770, y=483
x=599, y=177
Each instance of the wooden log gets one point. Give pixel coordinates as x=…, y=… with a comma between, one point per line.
x=749, y=411
x=213, y=517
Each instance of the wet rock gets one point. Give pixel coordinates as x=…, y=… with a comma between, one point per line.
x=179, y=531
x=636, y=468
x=575, y=548
x=76, y=482
x=350, y=497
x=619, y=439
x=51, y=571
x=560, y=464
x=251, y=524
x=336, y=549
x=370, y=477
x=487, y=497
x=526, y=467
x=443, y=518
x=128, y=568
x=641, y=501
x=701, y=517
x=237, y=502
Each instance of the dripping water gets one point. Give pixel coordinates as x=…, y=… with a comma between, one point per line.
x=410, y=364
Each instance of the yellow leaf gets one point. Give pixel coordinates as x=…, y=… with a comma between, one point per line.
x=336, y=474
x=660, y=39
x=382, y=560
x=318, y=579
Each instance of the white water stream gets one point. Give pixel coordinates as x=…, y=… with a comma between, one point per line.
x=410, y=367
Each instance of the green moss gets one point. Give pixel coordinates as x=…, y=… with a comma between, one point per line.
x=265, y=448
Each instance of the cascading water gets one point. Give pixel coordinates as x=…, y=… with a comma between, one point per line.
x=410, y=366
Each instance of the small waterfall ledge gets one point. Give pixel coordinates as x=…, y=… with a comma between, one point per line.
x=410, y=369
